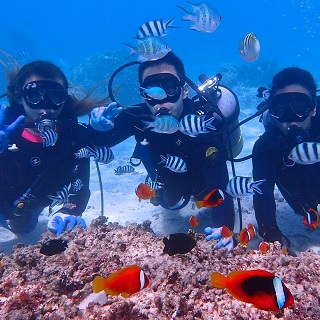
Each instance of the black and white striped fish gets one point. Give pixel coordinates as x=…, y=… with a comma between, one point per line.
x=103, y=154
x=156, y=28
x=306, y=153
x=61, y=197
x=243, y=186
x=99, y=154
x=194, y=125
x=155, y=185
x=49, y=138
x=77, y=185
x=85, y=152
x=124, y=169
x=174, y=163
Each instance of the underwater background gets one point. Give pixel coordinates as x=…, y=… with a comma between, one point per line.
x=86, y=39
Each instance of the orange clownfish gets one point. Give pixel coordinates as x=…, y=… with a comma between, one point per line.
x=213, y=199
x=263, y=247
x=244, y=237
x=251, y=230
x=193, y=221
x=226, y=232
x=125, y=282
x=259, y=287
x=311, y=220
x=145, y=192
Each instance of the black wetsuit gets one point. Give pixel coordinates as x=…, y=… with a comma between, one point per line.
x=299, y=184
x=45, y=171
x=206, y=168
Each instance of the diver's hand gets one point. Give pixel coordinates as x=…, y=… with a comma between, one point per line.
x=215, y=234
x=102, y=118
x=60, y=222
x=5, y=131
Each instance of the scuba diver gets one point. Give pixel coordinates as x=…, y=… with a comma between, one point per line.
x=293, y=119
x=180, y=141
x=39, y=136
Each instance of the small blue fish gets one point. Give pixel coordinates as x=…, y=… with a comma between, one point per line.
x=153, y=93
x=163, y=124
x=174, y=163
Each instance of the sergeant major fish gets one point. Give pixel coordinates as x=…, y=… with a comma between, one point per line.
x=149, y=49
x=240, y=186
x=194, y=125
x=99, y=154
x=250, y=48
x=174, y=163
x=306, y=153
x=204, y=18
x=162, y=124
x=124, y=169
x=156, y=28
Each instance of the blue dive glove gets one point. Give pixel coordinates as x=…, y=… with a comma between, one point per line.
x=60, y=222
x=102, y=118
x=6, y=131
x=215, y=234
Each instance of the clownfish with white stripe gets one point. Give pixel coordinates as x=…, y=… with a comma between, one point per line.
x=124, y=282
x=261, y=288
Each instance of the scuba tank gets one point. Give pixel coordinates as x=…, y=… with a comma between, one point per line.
x=229, y=106
x=223, y=103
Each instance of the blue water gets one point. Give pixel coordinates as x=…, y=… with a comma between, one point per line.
x=67, y=32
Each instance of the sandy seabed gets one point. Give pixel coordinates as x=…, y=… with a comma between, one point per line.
x=35, y=286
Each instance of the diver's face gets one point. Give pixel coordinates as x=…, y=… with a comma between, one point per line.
x=44, y=107
x=305, y=124
x=173, y=108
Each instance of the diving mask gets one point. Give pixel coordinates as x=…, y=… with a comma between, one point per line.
x=291, y=107
x=169, y=83
x=44, y=94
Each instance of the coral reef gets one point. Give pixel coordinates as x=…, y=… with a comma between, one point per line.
x=35, y=286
